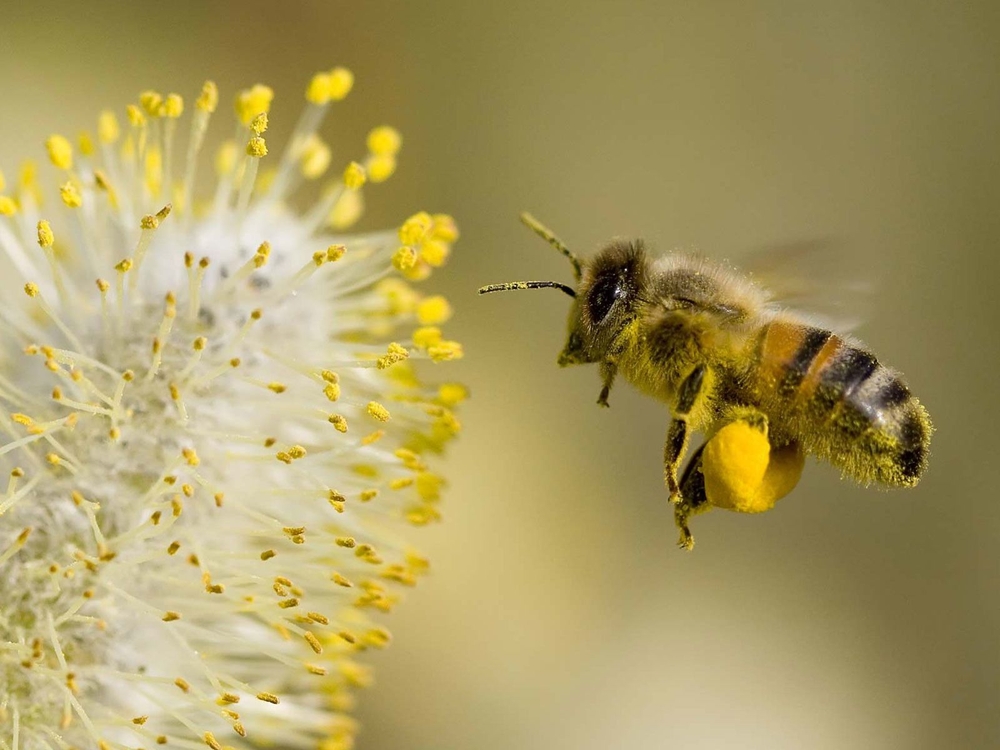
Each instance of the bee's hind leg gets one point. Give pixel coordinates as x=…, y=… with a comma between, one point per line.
x=691, y=391
x=693, y=498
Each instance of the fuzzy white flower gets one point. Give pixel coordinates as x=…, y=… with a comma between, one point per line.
x=213, y=451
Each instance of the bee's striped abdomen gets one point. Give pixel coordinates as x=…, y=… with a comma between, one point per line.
x=840, y=403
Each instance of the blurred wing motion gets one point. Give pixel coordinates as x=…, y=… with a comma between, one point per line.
x=831, y=285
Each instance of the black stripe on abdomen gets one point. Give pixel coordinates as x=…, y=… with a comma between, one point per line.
x=798, y=366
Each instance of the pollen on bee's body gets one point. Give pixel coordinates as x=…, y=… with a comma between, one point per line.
x=174, y=430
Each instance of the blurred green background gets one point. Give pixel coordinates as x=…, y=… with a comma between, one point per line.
x=560, y=614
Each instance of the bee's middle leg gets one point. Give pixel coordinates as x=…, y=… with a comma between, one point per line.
x=691, y=391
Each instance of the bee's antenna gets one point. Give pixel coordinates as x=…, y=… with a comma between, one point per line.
x=546, y=234
x=511, y=286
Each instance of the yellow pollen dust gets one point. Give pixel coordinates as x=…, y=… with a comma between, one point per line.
x=70, y=195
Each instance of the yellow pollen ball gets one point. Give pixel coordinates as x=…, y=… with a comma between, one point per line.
x=384, y=141
x=354, y=176
x=433, y=311
x=743, y=473
x=107, y=127
x=45, y=236
x=341, y=81
x=60, y=151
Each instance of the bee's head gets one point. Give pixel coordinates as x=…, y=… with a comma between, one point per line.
x=604, y=300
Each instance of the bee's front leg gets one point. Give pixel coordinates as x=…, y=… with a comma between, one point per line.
x=608, y=372
x=676, y=444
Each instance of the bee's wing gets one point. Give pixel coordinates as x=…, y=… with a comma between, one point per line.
x=829, y=283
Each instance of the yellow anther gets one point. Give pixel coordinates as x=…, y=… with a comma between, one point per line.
x=332, y=391
x=434, y=310
x=277, y=387
x=315, y=159
x=434, y=252
x=124, y=265
x=400, y=483
x=373, y=437
x=107, y=127
x=164, y=213
x=45, y=236
x=170, y=616
x=208, y=99
x=445, y=351
x=415, y=228
x=404, y=258
x=381, y=168
x=259, y=123
x=429, y=486
x=86, y=144
x=313, y=642
x=225, y=158
x=135, y=116
x=102, y=286
x=377, y=411
x=256, y=147
x=7, y=206
x=318, y=90
x=354, y=176
x=268, y=698
x=335, y=253
x=253, y=101
x=190, y=456
x=338, y=422
x=210, y=740
x=395, y=353
x=149, y=222
x=347, y=210
x=452, y=394
x=445, y=228
x=150, y=102
x=384, y=141
x=60, y=151
x=346, y=541
x=341, y=81
x=173, y=106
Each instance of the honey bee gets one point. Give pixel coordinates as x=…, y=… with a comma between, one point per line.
x=763, y=384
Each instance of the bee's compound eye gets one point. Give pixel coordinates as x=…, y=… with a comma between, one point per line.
x=602, y=296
